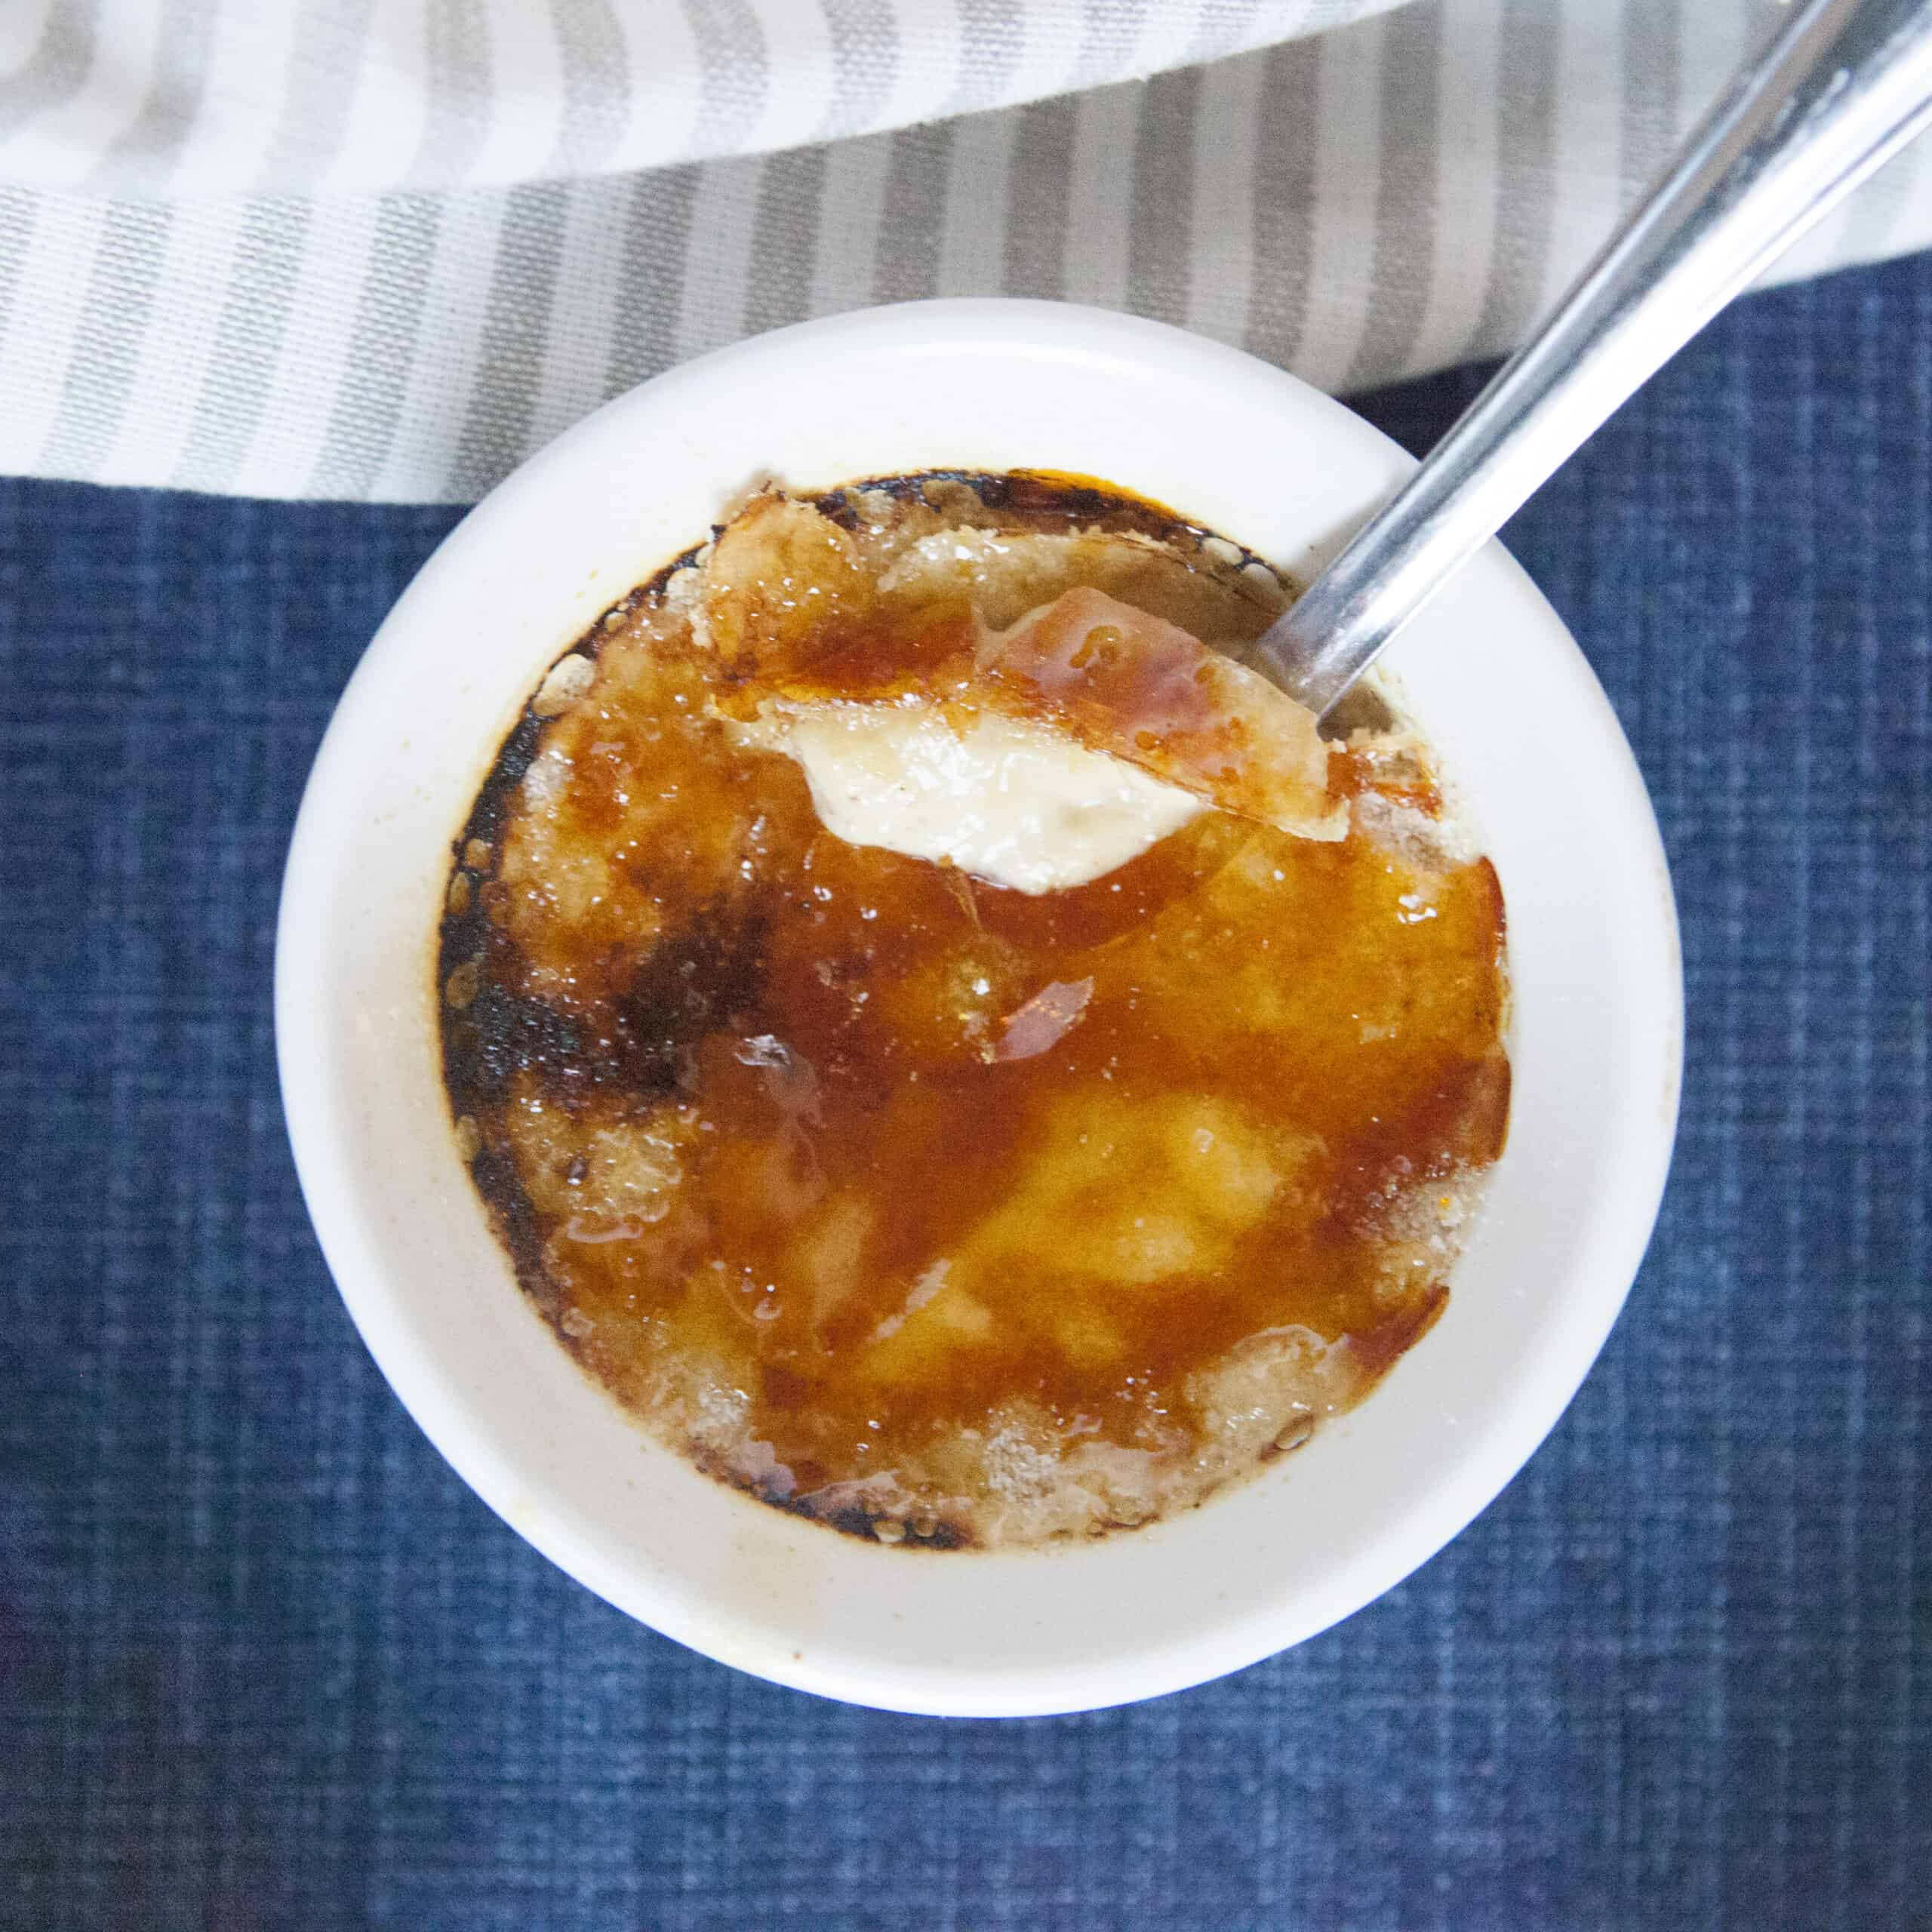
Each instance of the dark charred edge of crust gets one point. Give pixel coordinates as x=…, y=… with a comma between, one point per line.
x=467, y=1038
x=514, y=1221
x=473, y=1044
x=850, y=1520
x=1046, y=498
x=1049, y=499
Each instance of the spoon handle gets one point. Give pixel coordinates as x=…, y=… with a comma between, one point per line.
x=1842, y=87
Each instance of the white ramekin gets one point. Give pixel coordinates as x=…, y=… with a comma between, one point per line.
x=1538, y=762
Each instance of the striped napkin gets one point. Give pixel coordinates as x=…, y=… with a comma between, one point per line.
x=382, y=249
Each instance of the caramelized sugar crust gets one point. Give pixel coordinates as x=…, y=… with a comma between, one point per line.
x=945, y=1213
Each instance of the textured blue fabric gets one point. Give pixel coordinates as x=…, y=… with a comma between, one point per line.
x=267, y=1662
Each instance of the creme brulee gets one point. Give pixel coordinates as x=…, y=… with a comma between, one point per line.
x=949, y=1048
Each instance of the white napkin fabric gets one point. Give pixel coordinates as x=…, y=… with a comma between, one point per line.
x=382, y=249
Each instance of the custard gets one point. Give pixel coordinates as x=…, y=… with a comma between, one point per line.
x=953, y=1055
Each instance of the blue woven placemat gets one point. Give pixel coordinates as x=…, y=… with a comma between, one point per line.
x=265, y=1662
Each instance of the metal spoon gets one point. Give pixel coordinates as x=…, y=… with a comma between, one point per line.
x=1845, y=86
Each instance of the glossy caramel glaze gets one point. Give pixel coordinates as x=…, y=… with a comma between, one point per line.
x=946, y=1213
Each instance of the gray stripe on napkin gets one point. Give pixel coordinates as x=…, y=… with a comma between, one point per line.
x=382, y=349
x=906, y=266
x=1160, y=234
x=791, y=196
x=865, y=61
x=516, y=328
x=655, y=216
x=316, y=85
x=1224, y=28
x=991, y=37
x=1036, y=206
x=596, y=107
x=1525, y=184
x=167, y=114
x=237, y=390
x=107, y=348
x=1108, y=36
x=19, y=212
x=1650, y=90
x=1284, y=217
x=53, y=72
x=1406, y=215
x=456, y=47
x=735, y=73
